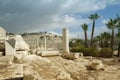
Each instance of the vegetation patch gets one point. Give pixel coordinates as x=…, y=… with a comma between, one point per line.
x=106, y=52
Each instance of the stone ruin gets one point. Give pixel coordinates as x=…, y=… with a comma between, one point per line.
x=2, y=33
x=11, y=46
x=9, y=49
x=17, y=48
x=2, y=41
x=16, y=45
x=65, y=41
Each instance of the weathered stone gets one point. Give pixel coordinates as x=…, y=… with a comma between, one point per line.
x=11, y=72
x=31, y=74
x=20, y=55
x=2, y=33
x=8, y=60
x=33, y=51
x=81, y=54
x=1, y=53
x=65, y=41
x=20, y=44
x=70, y=56
x=10, y=47
x=115, y=52
x=35, y=57
x=88, y=57
x=76, y=55
x=49, y=53
x=24, y=53
x=38, y=52
x=96, y=65
x=32, y=77
x=64, y=76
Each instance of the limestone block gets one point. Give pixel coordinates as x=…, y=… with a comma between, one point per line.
x=10, y=47
x=115, y=52
x=49, y=53
x=70, y=56
x=20, y=54
x=38, y=52
x=76, y=55
x=20, y=43
x=96, y=65
x=7, y=60
x=2, y=33
x=24, y=53
x=18, y=57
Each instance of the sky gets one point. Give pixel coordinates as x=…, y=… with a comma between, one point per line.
x=20, y=16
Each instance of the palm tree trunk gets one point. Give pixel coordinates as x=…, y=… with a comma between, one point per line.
x=112, y=39
x=86, y=39
x=118, y=50
x=93, y=26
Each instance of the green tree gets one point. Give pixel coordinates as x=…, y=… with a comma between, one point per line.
x=118, y=34
x=93, y=17
x=112, y=24
x=105, y=38
x=85, y=28
x=118, y=26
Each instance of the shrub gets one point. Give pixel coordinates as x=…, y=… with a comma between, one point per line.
x=76, y=48
x=106, y=52
x=90, y=52
x=86, y=51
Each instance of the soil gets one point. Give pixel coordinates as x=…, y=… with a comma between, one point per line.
x=49, y=68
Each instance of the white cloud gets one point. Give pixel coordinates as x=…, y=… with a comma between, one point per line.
x=101, y=29
x=55, y=33
x=29, y=15
x=104, y=21
x=71, y=20
x=111, y=2
x=82, y=5
x=68, y=21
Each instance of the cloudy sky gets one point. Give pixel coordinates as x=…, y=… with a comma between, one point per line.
x=19, y=16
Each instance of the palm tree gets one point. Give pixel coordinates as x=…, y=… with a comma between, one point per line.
x=85, y=28
x=118, y=26
x=99, y=40
x=105, y=38
x=118, y=34
x=93, y=17
x=118, y=49
x=112, y=24
x=118, y=18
